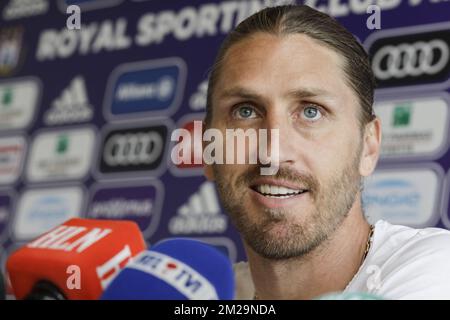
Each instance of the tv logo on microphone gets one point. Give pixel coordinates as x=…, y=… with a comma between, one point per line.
x=175, y=273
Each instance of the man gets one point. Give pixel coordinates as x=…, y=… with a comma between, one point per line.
x=295, y=69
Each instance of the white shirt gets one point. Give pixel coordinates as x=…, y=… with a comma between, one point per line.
x=402, y=263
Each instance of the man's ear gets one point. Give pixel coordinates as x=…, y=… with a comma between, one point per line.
x=207, y=169
x=371, y=147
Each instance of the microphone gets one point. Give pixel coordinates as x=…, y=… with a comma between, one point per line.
x=75, y=260
x=175, y=269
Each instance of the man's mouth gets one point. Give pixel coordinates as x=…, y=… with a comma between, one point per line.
x=276, y=191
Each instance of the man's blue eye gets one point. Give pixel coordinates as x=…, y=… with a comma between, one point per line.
x=312, y=113
x=245, y=112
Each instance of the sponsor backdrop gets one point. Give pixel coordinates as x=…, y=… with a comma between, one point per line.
x=86, y=115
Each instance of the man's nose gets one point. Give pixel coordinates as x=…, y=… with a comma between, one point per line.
x=287, y=145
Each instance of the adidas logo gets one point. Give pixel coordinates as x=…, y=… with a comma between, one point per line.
x=72, y=106
x=198, y=100
x=24, y=8
x=201, y=214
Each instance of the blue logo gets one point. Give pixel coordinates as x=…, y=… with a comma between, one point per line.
x=393, y=199
x=50, y=208
x=391, y=193
x=40, y=210
x=149, y=88
x=406, y=196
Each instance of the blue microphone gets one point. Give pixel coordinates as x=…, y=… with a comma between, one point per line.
x=175, y=269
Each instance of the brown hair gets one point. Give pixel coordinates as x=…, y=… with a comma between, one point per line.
x=301, y=19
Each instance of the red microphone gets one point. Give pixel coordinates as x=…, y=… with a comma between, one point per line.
x=75, y=260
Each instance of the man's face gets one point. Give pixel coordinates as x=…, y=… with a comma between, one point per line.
x=294, y=84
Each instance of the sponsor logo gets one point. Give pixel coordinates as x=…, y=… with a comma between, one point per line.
x=16, y=9
x=413, y=128
x=201, y=214
x=12, y=151
x=41, y=210
x=146, y=88
x=197, y=101
x=88, y=4
x=195, y=165
x=72, y=106
x=10, y=50
x=138, y=149
x=405, y=196
x=6, y=209
x=141, y=204
x=18, y=102
x=410, y=57
x=151, y=28
x=176, y=273
x=61, y=155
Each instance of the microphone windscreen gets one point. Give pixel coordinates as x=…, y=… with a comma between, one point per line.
x=78, y=258
x=175, y=269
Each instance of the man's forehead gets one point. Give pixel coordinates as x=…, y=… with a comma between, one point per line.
x=270, y=47
x=294, y=62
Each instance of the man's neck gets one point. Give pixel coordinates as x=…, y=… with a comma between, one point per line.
x=328, y=268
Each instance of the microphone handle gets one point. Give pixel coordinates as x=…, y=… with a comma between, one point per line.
x=45, y=290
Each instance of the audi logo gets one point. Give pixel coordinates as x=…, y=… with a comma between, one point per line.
x=418, y=58
x=133, y=149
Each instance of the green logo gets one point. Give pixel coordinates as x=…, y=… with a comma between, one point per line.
x=62, y=144
x=402, y=115
x=7, y=98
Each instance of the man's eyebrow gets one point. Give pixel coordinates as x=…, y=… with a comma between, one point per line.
x=309, y=93
x=239, y=92
x=244, y=93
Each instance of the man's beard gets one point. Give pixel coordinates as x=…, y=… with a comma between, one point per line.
x=332, y=202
